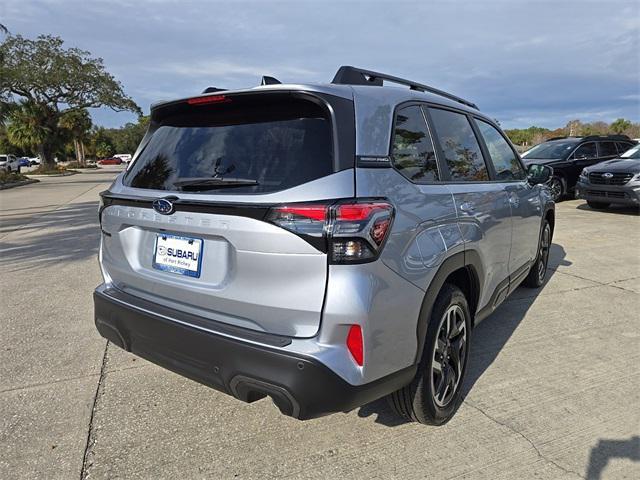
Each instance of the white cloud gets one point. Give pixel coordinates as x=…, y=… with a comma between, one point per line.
x=228, y=69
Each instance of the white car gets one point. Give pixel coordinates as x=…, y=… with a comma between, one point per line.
x=125, y=157
x=9, y=163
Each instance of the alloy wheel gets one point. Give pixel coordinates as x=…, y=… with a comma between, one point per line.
x=449, y=355
x=543, y=252
x=556, y=188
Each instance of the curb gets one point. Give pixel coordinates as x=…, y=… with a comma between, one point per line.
x=67, y=174
x=18, y=184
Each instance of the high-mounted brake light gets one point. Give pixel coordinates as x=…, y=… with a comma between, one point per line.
x=353, y=232
x=208, y=99
x=355, y=345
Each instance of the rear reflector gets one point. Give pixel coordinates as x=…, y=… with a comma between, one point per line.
x=208, y=99
x=355, y=344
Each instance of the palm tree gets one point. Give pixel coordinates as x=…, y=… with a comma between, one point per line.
x=78, y=122
x=26, y=129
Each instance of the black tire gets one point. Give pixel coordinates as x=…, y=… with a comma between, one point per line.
x=597, y=205
x=538, y=270
x=418, y=401
x=8, y=169
x=557, y=188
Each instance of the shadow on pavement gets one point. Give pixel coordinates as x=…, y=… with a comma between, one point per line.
x=65, y=235
x=488, y=339
x=614, y=209
x=606, y=450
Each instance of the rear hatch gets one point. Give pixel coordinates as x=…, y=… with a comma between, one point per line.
x=187, y=226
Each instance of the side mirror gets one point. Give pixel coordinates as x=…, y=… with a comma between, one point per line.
x=539, y=174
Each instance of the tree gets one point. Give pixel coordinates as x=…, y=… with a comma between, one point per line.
x=620, y=125
x=27, y=127
x=78, y=123
x=58, y=81
x=127, y=138
x=101, y=143
x=574, y=128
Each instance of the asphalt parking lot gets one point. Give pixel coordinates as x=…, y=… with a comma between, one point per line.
x=552, y=392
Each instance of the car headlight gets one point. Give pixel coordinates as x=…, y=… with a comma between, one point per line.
x=584, y=175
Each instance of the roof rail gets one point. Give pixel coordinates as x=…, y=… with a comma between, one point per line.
x=606, y=137
x=347, y=75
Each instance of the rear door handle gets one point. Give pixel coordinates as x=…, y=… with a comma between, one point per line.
x=467, y=207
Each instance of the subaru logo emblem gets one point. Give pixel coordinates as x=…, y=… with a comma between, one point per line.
x=607, y=175
x=163, y=206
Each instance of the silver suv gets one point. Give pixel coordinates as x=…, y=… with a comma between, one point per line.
x=324, y=245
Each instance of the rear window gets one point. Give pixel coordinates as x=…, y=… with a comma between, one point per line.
x=238, y=146
x=460, y=146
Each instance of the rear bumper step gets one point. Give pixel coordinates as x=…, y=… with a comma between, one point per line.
x=300, y=386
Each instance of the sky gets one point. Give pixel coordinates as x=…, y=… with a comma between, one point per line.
x=524, y=63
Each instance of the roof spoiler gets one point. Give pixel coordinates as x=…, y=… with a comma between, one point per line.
x=347, y=75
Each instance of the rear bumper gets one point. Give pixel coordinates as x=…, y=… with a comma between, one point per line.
x=248, y=367
x=619, y=194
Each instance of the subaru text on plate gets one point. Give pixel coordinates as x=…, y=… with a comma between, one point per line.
x=324, y=245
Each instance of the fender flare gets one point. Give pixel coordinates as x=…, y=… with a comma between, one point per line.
x=468, y=258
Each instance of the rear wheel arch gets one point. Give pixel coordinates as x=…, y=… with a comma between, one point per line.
x=463, y=270
x=550, y=216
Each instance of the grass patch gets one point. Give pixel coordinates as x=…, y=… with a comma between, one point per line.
x=12, y=177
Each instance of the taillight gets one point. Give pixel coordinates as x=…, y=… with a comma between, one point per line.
x=355, y=345
x=355, y=232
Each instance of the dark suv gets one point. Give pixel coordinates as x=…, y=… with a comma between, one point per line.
x=569, y=155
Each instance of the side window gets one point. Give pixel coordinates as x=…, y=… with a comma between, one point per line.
x=607, y=149
x=586, y=150
x=459, y=146
x=623, y=147
x=504, y=160
x=412, y=151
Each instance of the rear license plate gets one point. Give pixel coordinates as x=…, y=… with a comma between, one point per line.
x=176, y=254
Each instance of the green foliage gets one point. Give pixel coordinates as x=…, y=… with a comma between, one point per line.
x=620, y=125
x=127, y=138
x=55, y=80
x=78, y=122
x=28, y=126
x=526, y=136
x=44, y=72
x=533, y=135
x=104, y=150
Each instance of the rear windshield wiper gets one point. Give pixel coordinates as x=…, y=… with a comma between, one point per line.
x=210, y=183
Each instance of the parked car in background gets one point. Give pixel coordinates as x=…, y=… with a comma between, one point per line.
x=614, y=181
x=33, y=161
x=324, y=244
x=570, y=155
x=24, y=162
x=9, y=163
x=110, y=161
x=125, y=157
